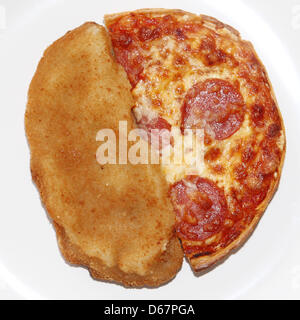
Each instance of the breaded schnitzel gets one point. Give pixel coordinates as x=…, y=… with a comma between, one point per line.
x=114, y=219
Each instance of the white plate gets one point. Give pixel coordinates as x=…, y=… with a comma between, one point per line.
x=268, y=265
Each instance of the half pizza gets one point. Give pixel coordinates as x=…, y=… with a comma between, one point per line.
x=190, y=72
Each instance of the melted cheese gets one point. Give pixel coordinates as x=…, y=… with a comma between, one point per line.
x=165, y=89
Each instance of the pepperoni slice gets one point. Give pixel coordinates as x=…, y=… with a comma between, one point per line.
x=132, y=61
x=214, y=105
x=158, y=123
x=155, y=128
x=200, y=206
x=132, y=34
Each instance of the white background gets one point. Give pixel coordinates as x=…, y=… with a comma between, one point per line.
x=268, y=265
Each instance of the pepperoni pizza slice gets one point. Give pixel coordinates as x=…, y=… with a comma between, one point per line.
x=194, y=72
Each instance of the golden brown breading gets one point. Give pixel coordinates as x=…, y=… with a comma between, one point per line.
x=114, y=219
